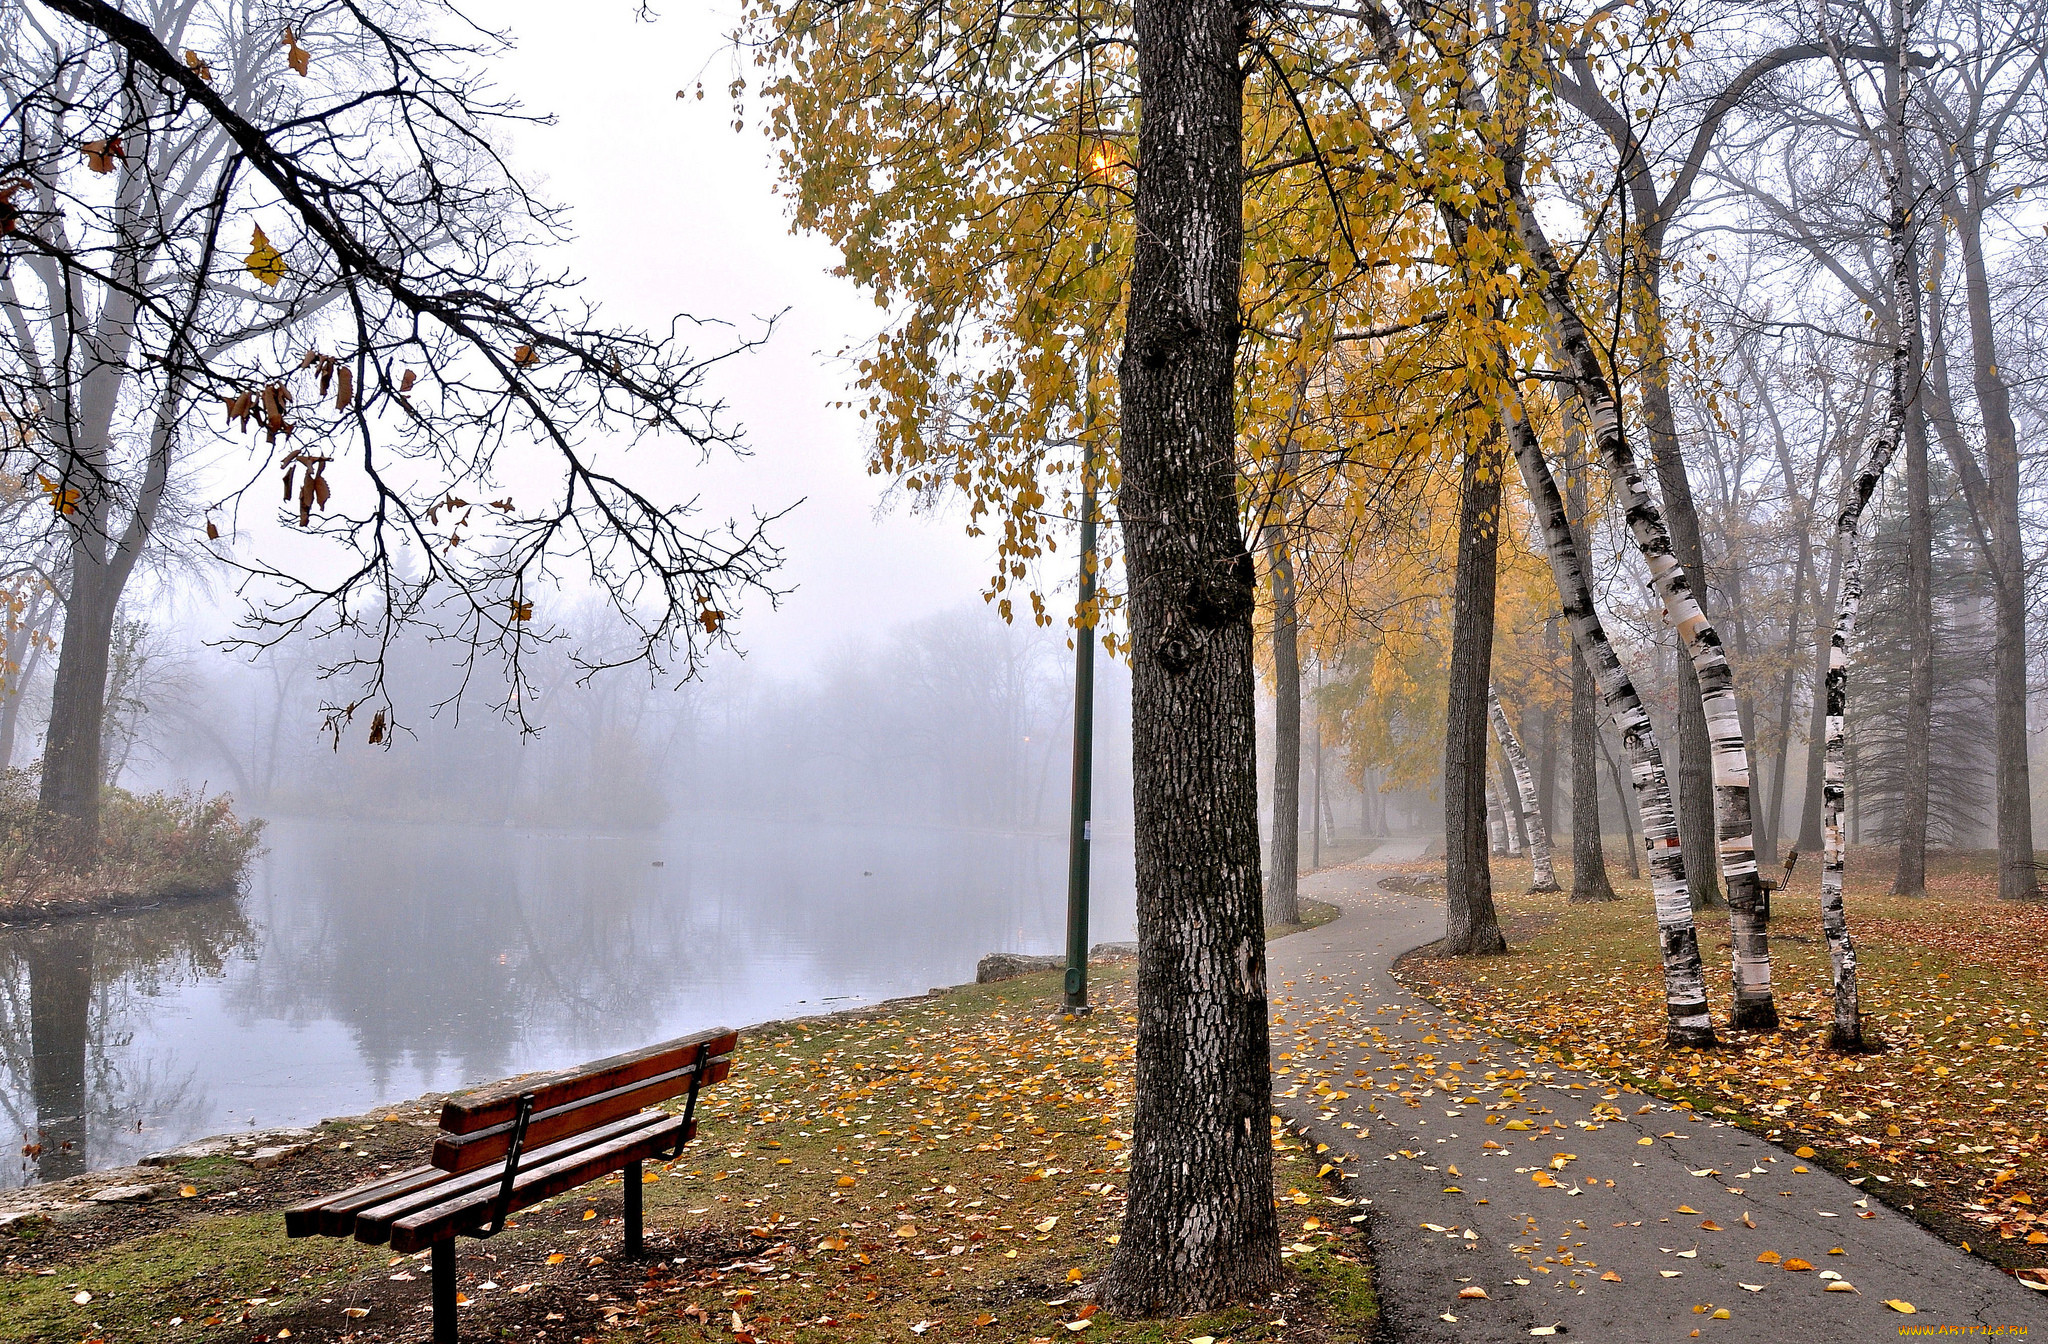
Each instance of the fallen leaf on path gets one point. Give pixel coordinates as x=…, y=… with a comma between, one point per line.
x=1900, y=1305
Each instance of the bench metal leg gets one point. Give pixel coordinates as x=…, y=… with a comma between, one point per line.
x=444, y=1291
x=633, y=1183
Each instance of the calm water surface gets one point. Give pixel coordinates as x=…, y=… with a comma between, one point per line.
x=374, y=963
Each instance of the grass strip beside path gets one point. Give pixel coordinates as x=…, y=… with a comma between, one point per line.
x=944, y=1169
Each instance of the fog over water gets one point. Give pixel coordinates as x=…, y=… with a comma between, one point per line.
x=868, y=800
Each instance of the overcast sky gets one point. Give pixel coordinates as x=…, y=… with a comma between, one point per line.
x=675, y=212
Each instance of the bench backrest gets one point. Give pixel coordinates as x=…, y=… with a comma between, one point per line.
x=476, y=1127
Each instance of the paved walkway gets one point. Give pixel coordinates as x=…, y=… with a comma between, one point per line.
x=1647, y=1222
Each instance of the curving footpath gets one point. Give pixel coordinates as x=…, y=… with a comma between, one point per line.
x=1601, y=1215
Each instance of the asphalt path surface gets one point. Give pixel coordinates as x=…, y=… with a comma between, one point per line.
x=1585, y=1211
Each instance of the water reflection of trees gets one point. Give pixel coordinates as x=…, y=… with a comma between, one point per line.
x=74, y=996
x=466, y=954
x=447, y=956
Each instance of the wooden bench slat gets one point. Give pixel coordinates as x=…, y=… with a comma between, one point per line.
x=332, y=1215
x=467, y=1152
x=497, y=1104
x=371, y=1223
x=418, y=1230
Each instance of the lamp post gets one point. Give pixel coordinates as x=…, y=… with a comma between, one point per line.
x=1080, y=823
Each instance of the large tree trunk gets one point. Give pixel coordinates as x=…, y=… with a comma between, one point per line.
x=1199, y=1229
x=1543, y=876
x=1685, y=993
x=1589, y=852
x=1282, y=874
x=72, y=784
x=1471, y=925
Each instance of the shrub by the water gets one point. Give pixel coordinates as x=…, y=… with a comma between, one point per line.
x=151, y=846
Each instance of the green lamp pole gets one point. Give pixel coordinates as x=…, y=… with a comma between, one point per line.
x=1080, y=825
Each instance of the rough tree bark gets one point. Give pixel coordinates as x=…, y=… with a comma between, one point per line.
x=1471, y=926
x=1199, y=1229
x=1544, y=876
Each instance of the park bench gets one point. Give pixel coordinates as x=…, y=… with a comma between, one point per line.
x=511, y=1145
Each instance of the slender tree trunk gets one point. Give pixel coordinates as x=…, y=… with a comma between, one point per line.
x=1910, y=879
x=1754, y=1008
x=1321, y=803
x=1697, y=827
x=1496, y=824
x=1811, y=821
x=1199, y=1229
x=1589, y=851
x=1282, y=876
x=1847, y=1030
x=2018, y=878
x=1471, y=926
x=1512, y=819
x=1544, y=876
x=1802, y=581
x=1685, y=994
x=1634, y=826
x=1546, y=760
x=1766, y=843
x=24, y=655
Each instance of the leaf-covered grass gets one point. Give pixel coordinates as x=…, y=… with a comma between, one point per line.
x=945, y=1169
x=1945, y=1123
x=151, y=846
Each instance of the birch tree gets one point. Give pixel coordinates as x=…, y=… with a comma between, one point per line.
x=1543, y=876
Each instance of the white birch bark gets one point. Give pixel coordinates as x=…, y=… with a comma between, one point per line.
x=1499, y=834
x=1544, y=876
x=1754, y=1007
x=1685, y=994
x=1846, y=1032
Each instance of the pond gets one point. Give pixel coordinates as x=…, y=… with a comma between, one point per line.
x=367, y=964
